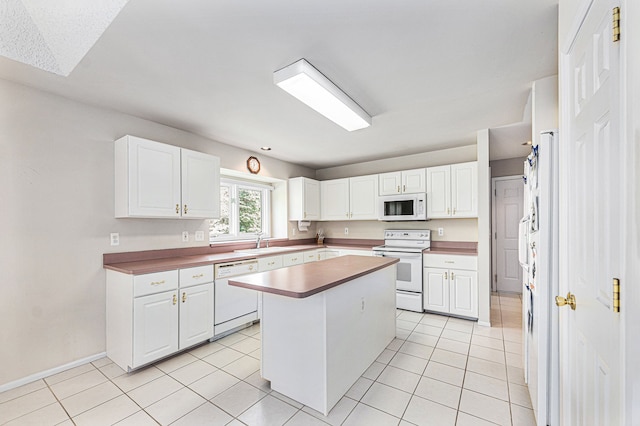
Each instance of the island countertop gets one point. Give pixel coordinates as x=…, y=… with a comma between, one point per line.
x=307, y=279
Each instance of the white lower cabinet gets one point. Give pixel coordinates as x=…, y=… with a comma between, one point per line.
x=155, y=327
x=451, y=284
x=151, y=316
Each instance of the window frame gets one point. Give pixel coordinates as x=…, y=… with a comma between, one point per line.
x=234, y=222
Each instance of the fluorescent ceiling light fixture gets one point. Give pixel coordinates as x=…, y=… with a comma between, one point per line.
x=309, y=86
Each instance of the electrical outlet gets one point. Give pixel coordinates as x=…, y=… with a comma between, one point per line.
x=185, y=236
x=293, y=232
x=199, y=235
x=440, y=232
x=115, y=238
x=346, y=231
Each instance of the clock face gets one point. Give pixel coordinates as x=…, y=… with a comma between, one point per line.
x=253, y=164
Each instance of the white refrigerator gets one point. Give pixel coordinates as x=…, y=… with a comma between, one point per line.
x=538, y=253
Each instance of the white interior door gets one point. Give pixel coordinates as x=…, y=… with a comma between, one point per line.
x=591, y=364
x=509, y=202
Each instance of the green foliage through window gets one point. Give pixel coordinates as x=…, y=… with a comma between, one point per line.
x=243, y=211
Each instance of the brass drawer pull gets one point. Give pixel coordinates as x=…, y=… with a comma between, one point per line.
x=157, y=282
x=177, y=208
x=184, y=297
x=198, y=276
x=175, y=299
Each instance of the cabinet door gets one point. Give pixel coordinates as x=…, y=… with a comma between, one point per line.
x=413, y=181
x=304, y=199
x=200, y=185
x=363, y=194
x=196, y=314
x=464, y=190
x=464, y=293
x=153, y=179
x=390, y=183
x=436, y=289
x=310, y=256
x=438, y=192
x=311, y=199
x=269, y=263
x=155, y=327
x=334, y=199
x=292, y=259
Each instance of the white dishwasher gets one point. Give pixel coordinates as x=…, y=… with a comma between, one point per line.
x=234, y=306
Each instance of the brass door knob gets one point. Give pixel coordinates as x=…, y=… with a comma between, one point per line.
x=569, y=300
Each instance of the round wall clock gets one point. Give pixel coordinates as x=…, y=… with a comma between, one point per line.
x=253, y=164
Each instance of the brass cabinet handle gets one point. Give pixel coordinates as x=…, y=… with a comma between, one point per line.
x=449, y=261
x=184, y=297
x=251, y=267
x=454, y=211
x=347, y=214
x=198, y=276
x=351, y=214
x=398, y=188
x=175, y=299
x=305, y=215
x=569, y=300
x=446, y=276
x=157, y=282
x=294, y=259
x=448, y=210
x=185, y=209
x=177, y=208
x=404, y=188
x=452, y=275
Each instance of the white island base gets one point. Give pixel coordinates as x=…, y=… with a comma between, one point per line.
x=315, y=348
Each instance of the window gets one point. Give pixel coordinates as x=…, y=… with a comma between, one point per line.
x=244, y=211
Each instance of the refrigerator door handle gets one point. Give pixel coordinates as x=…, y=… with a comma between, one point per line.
x=523, y=237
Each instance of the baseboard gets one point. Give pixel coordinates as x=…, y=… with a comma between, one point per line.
x=50, y=372
x=484, y=323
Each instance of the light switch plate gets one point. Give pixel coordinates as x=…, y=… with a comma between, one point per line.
x=199, y=235
x=114, y=237
x=440, y=232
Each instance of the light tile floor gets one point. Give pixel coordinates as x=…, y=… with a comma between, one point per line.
x=438, y=371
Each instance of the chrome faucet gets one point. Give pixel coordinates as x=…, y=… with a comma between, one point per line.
x=259, y=235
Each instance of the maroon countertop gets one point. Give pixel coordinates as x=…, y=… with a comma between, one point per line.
x=453, y=247
x=307, y=279
x=145, y=262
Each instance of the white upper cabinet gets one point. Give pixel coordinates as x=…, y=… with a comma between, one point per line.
x=200, y=185
x=304, y=199
x=350, y=198
x=334, y=199
x=452, y=191
x=438, y=192
x=153, y=179
x=404, y=182
x=363, y=196
x=464, y=189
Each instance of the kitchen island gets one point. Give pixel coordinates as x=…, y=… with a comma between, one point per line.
x=323, y=324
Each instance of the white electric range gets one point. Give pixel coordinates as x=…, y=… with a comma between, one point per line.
x=406, y=245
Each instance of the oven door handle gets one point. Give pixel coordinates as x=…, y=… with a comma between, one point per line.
x=401, y=255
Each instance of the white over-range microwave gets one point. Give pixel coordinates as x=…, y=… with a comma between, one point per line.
x=403, y=207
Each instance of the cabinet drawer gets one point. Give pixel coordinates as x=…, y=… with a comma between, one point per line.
x=154, y=283
x=310, y=256
x=450, y=261
x=292, y=259
x=269, y=263
x=197, y=275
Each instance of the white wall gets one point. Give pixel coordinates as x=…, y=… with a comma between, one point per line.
x=56, y=193
x=406, y=162
x=508, y=167
x=544, y=106
x=484, y=229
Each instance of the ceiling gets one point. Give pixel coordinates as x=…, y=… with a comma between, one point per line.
x=430, y=73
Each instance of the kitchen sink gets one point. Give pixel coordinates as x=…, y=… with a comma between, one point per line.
x=265, y=250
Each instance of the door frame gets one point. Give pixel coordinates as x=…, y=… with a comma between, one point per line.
x=627, y=413
x=494, y=248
